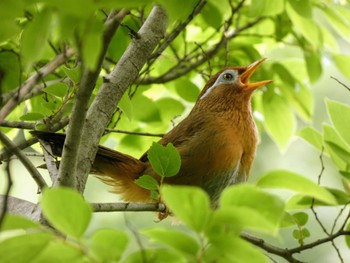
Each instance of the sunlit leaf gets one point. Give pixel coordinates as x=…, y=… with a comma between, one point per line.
x=108, y=245
x=66, y=210
x=35, y=36
x=312, y=136
x=189, y=204
x=147, y=182
x=306, y=26
x=23, y=248
x=58, y=89
x=340, y=116
x=313, y=65
x=284, y=179
x=165, y=160
x=341, y=61
x=271, y=208
x=32, y=116
x=279, y=119
x=174, y=239
x=266, y=7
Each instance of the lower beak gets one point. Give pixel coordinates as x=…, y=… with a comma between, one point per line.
x=245, y=76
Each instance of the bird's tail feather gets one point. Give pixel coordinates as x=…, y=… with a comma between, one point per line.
x=112, y=167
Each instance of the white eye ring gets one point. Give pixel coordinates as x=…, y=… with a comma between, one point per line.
x=227, y=76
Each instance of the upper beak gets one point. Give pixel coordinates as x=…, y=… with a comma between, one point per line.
x=245, y=76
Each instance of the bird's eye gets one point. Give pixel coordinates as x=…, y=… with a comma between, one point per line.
x=227, y=76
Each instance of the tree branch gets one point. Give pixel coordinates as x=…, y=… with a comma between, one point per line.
x=68, y=166
x=25, y=161
x=170, y=38
x=26, y=143
x=28, y=86
x=36, y=90
x=114, y=86
x=126, y=207
x=180, y=70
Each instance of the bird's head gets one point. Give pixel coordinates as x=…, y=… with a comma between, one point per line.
x=234, y=80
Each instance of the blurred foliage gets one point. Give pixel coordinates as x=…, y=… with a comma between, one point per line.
x=296, y=36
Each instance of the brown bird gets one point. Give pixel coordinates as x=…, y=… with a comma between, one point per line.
x=217, y=141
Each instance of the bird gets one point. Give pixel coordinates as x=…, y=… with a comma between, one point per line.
x=217, y=141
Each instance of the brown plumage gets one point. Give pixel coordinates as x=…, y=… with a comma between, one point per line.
x=217, y=141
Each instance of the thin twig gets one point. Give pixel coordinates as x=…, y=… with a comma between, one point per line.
x=341, y=83
x=12, y=148
x=136, y=133
x=128, y=207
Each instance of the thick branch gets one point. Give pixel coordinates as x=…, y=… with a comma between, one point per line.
x=33, y=80
x=117, y=82
x=67, y=171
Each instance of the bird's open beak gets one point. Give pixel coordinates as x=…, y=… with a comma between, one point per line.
x=245, y=76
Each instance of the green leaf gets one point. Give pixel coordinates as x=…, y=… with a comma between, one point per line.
x=23, y=248
x=284, y=179
x=337, y=20
x=165, y=160
x=35, y=36
x=339, y=151
x=330, y=135
x=147, y=182
x=58, y=251
x=92, y=44
x=228, y=248
x=246, y=196
x=174, y=239
x=187, y=90
x=301, y=218
x=302, y=7
x=340, y=116
x=294, y=91
x=312, y=136
x=266, y=7
x=126, y=106
x=169, y=108
x=32, y=116
x=279, y=118
x=288, y=220
x=307, y=26
x=347, y=237
x=58, y=90
x=212, y=15
x=313, y=65
x=144, y=109
x=66, y=210
x=239, y=218
x=190, y=204
x=108, y=245
x=341, y=61
x=10, y=70
x=18, y=222
x=173, y=7
x=159, y=255
x=72, y=73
